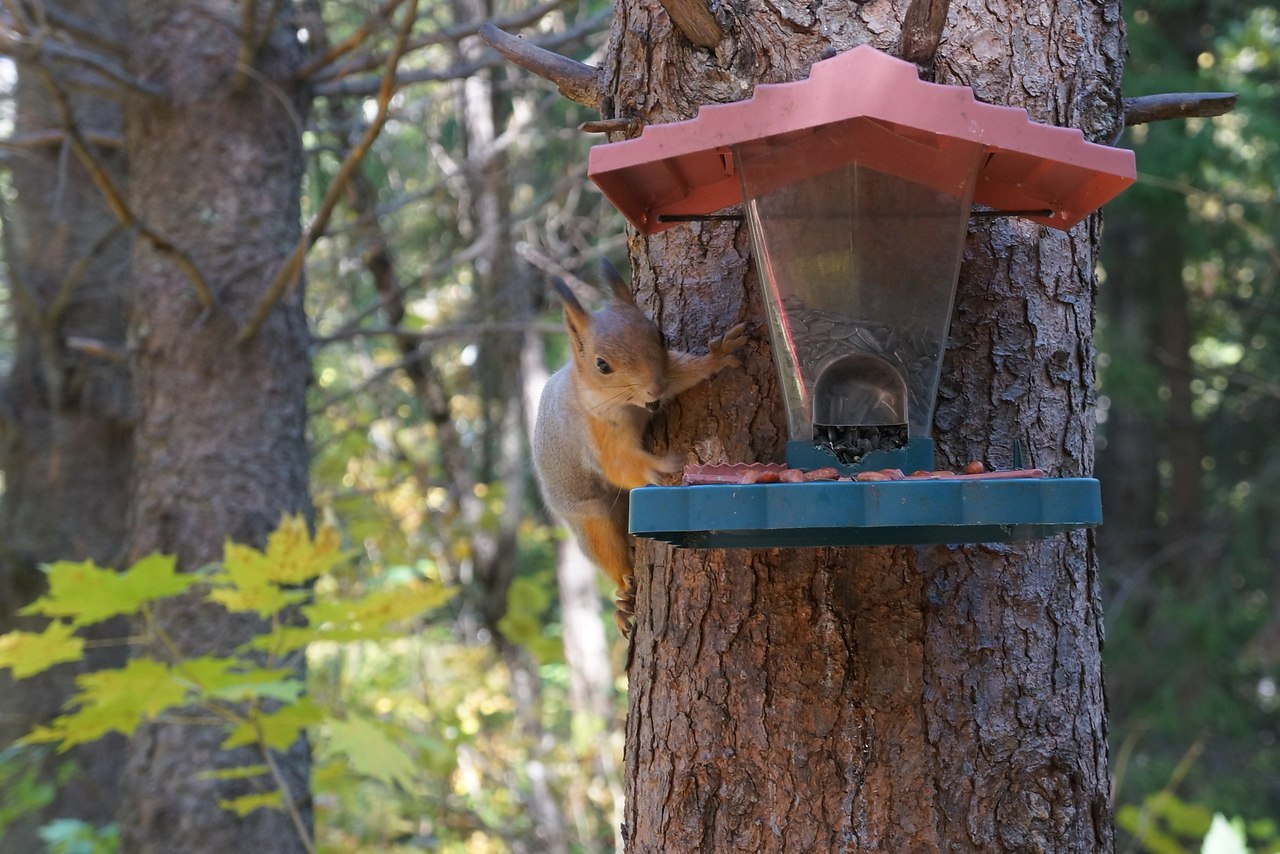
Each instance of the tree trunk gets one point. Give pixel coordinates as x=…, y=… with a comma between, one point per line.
x=888, y=699
x=220, y=439
x=65, y=417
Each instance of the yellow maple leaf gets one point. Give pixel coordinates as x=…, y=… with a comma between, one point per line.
x=114, y=701
x=86, y=593
x=29, y=653
x=294, y=557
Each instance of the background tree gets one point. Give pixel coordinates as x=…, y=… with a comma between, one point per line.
x=67, y=414
x=220, y=437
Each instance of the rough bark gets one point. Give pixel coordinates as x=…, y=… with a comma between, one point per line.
x=65, y=417
x=220, y=437
x=938, y=699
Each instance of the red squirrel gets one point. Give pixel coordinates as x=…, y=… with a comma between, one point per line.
x=588, y=439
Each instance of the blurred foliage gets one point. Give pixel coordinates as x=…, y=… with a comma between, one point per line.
x=253, y=694
x=1193, y=611
x=483, y=693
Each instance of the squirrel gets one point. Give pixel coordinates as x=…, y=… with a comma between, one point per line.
x=588, y=437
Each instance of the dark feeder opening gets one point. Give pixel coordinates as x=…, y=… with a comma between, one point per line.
x=859, y=406
x=857, y=185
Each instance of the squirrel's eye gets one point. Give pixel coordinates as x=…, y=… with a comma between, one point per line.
x=603, y=366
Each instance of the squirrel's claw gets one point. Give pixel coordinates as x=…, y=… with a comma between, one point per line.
x=625, y=601
x=727, y=344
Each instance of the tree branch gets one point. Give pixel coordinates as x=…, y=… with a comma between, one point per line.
x=292, y=267
x=922, y=29
x=695, y=21
x=627, y=126
x=453, y=34
x=248, y=45
x=57, y=138
x=442, y=333
x=38, y=49
x=576, y=81
x=364, y=86
x=352, y=41
x=1177, y=105
x=114, y=198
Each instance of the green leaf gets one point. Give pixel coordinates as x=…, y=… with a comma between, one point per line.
x=279, y=729
x=370, y=751
x=374, y=616
x=242, y=772
x=233, y=680
x=87, y=594
x=246, y=804
x=29, y=653
x=114, y=701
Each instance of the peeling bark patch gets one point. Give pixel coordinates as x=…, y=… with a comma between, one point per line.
x=799, y=16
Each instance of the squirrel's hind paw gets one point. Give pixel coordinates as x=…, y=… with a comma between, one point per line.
x=727, y=344
x=625, y=601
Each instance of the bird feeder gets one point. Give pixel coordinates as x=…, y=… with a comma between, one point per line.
x=858, y=184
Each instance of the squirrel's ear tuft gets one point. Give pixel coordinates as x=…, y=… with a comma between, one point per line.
x=611, y=277
x=576, y=317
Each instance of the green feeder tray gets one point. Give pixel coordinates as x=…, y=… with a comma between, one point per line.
x=851, y=513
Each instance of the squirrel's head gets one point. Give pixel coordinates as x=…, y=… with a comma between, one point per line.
x=620, y=357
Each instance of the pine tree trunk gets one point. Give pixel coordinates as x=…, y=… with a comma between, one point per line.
x=65, y=415
x=220, y=439
x=888, y=699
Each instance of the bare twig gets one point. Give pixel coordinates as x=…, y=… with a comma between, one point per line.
x=77, y=273
x=248, y=45
x=39, y=49
x=97, y=349
x=365, y=86
x=576, y=81
x=290, y=806
x=351, y=42
x=444, y=333
x=84, y=31
x=292, y=267
x=115, y=199
x=1177, y=105
x=922, y=29
x=627, y=126
x=21, y=21
x=444, y=35
x=57, y=138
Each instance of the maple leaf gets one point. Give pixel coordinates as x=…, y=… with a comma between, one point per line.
x=280, y=728
x=115, y=701
x=232, y=679
x=246, y=804
x=293, y=557
x=29, y=653
x=369, y=750
x=245, y=583
x=371, y=617
x=86, y=593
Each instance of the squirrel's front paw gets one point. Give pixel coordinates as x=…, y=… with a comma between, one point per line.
x=723, y=348
x=663, y=467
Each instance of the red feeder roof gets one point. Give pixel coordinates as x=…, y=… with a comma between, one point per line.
x=687, y=167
